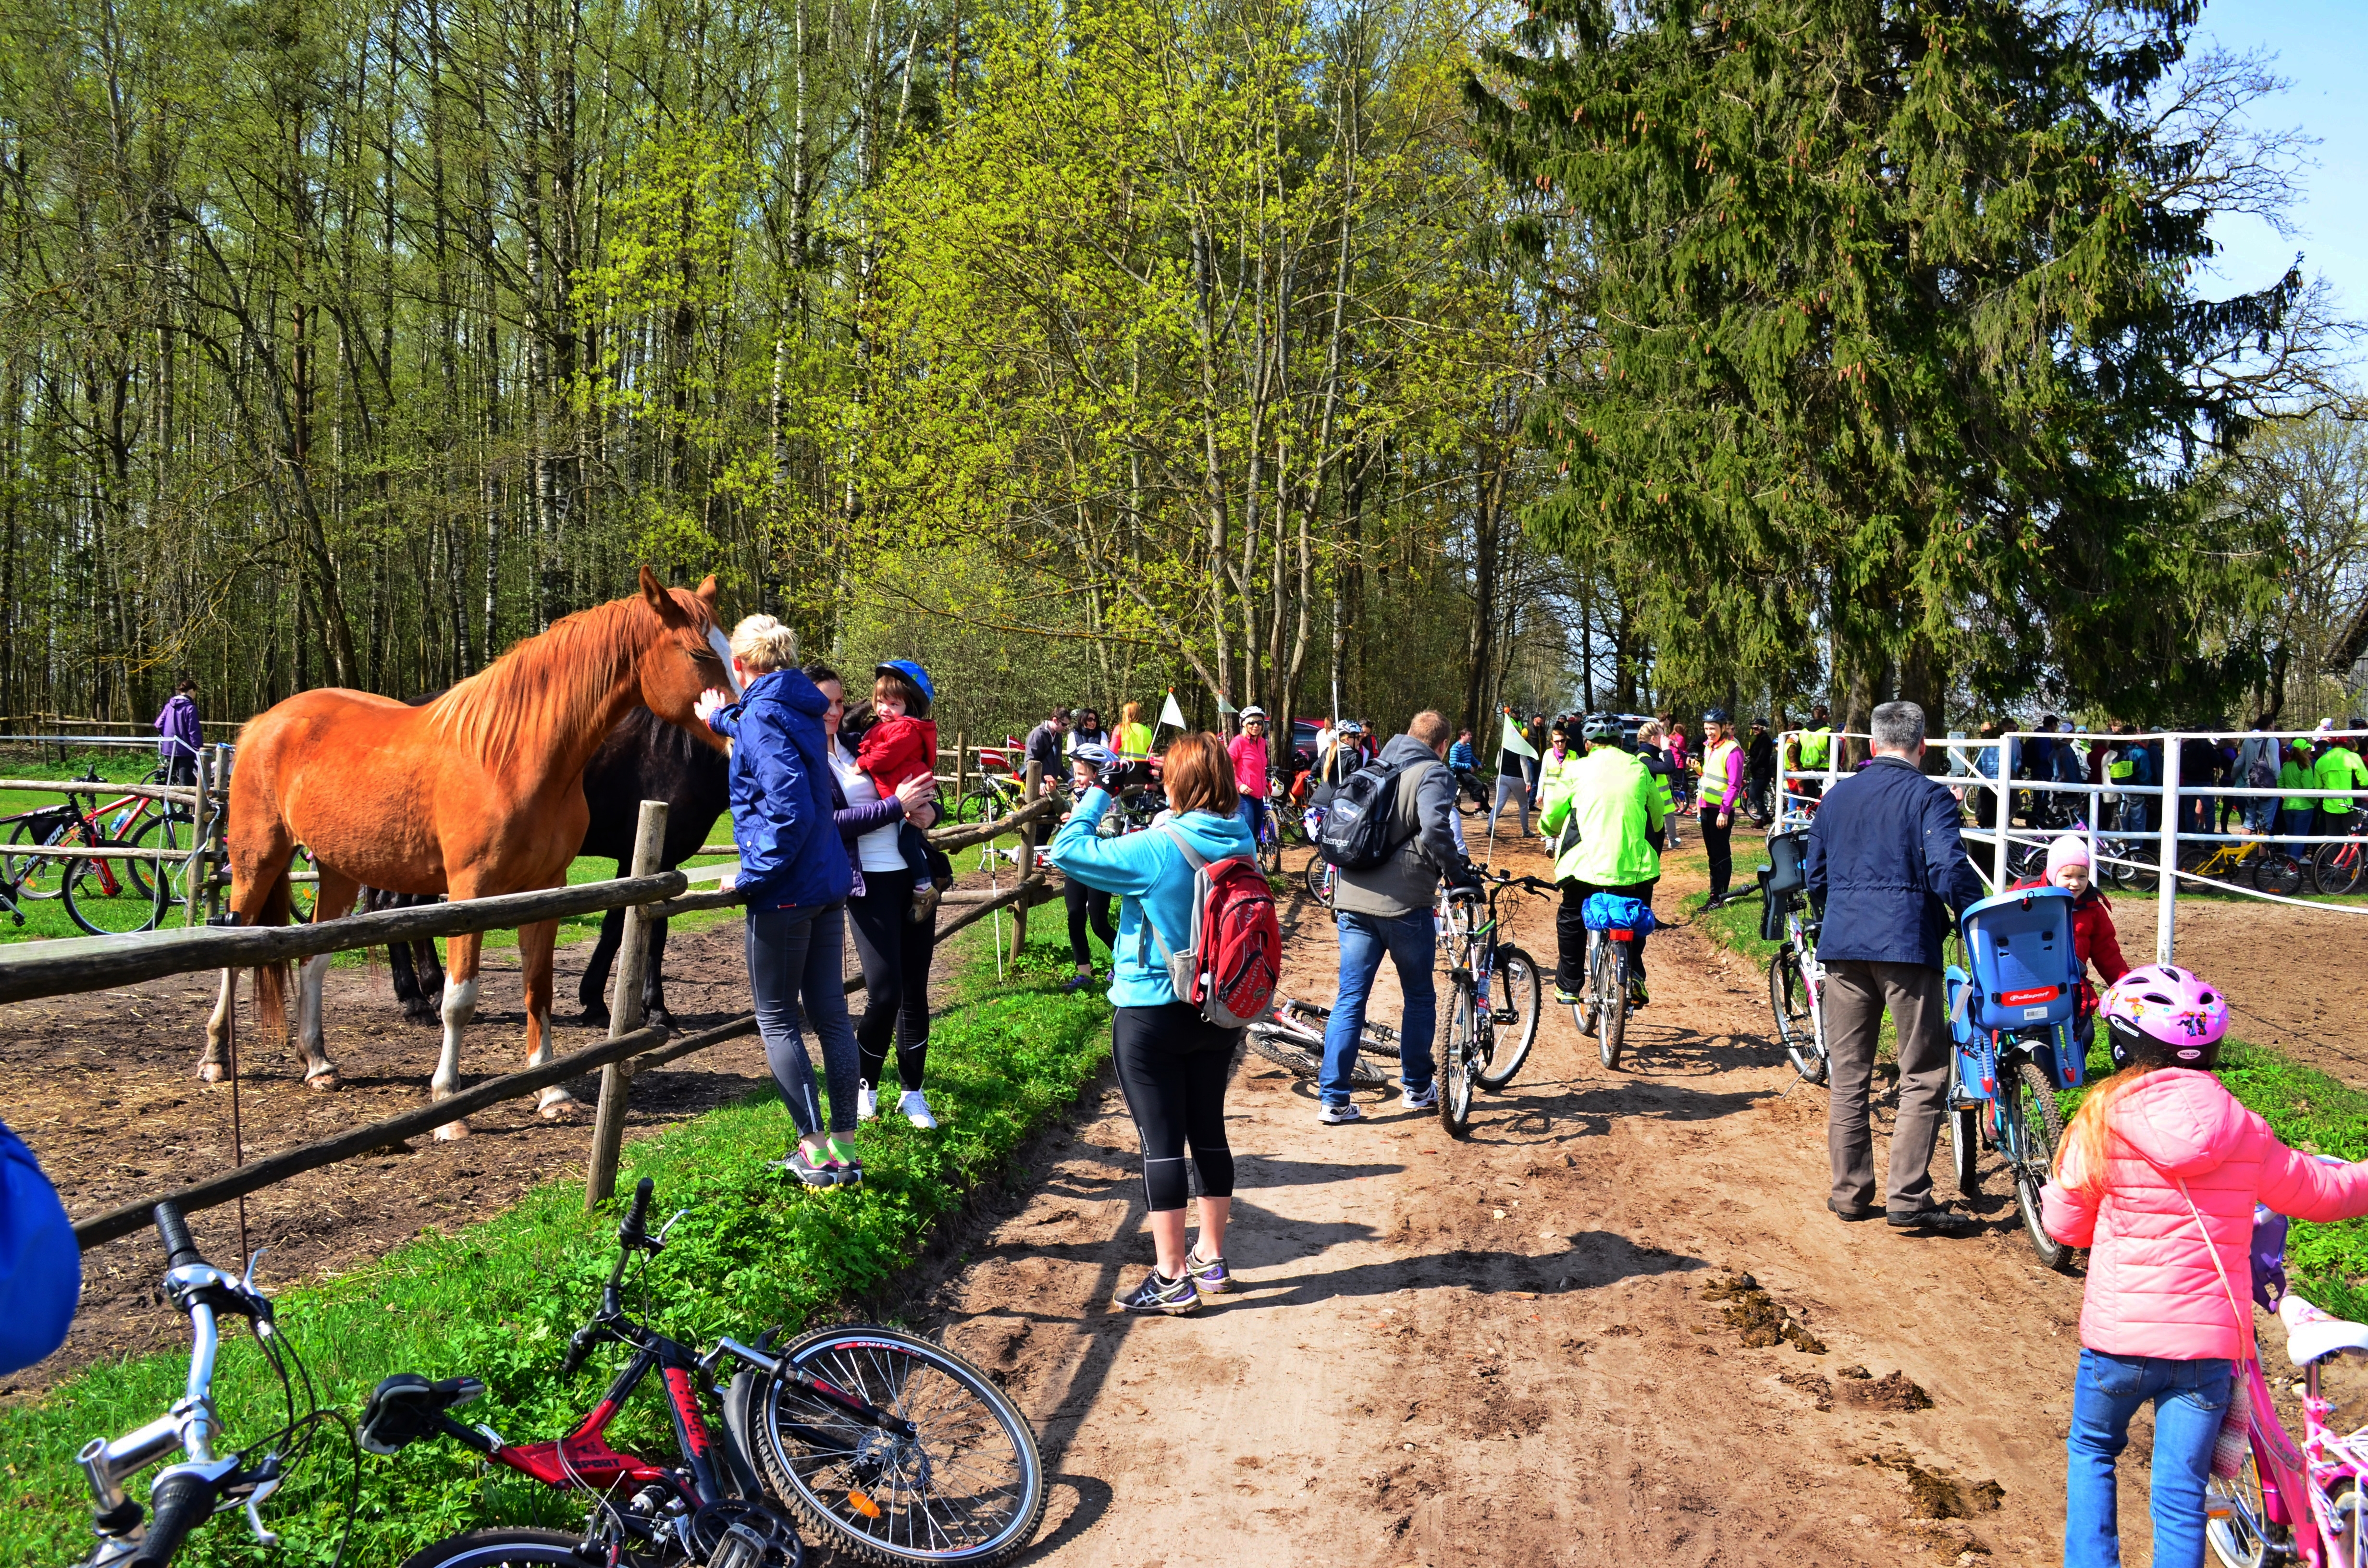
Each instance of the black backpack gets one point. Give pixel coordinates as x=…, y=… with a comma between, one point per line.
x=1360, y=828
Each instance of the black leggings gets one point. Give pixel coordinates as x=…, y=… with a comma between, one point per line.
x=1716, y=840
x=1172, y=1065
x=1088, y=903
x=894, y=953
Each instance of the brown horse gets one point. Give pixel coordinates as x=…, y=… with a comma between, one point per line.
x=479, y=792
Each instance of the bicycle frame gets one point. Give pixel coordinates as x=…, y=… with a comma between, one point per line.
x=583, y=1461
x=2298, y=1483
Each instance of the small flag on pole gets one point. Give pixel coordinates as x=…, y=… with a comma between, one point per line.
x=1225, y=707
x=1170, y=715
x=1513, y=741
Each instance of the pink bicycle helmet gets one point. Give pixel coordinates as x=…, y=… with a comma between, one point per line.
x=2167, y=1016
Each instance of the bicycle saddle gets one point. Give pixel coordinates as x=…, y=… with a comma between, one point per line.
x=404, y=1408
x=2312, y=1335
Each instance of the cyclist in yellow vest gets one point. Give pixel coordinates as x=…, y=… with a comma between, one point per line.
x=1811, y=750
x=1722, y=794
x=2337, y=768
x=1553, y=769
x=1134, y=735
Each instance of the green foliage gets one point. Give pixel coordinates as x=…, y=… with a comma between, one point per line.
x=499, y=1299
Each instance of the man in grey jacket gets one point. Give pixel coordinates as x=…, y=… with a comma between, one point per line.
x=1387, y=911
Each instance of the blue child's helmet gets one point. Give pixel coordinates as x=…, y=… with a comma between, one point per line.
x=910, y=672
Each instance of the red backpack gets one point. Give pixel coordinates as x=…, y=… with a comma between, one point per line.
x=1230, y=966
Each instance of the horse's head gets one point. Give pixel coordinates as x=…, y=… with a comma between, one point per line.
x=688, y=657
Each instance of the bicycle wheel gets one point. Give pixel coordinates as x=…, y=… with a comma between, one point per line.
x=2335, y=869
x=966, y=1487
x=1269, y=855
x=1611, y=1003
x=170, y=835
x=499, y=1549
x=1455, y=1067
x=1517, y=995
x=1305, y=1057
x=2278, y=872
x=105, y=903
x=2236, y=1523
x=2139, y=875
x=2038, y=1128
x=1317, y=880
x=1788, y=999
x=1373, y=1039
x=42, y=876
x=1963, y=1125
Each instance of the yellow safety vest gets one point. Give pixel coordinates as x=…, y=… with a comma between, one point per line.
x=1714, y=769
x=1813, y=746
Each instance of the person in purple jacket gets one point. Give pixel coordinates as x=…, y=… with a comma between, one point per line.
x=179, y=733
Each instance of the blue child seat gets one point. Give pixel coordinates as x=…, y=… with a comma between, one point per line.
x=2025, y=971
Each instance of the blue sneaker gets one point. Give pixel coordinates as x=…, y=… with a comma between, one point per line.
x=1171, y=1298
x=1208, y=1275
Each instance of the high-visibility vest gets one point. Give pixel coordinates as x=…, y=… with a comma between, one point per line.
x=2123, y=766
x=1813, y=746
x=1713, y=775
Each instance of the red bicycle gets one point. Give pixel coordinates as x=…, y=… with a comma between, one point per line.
x=891, y=1448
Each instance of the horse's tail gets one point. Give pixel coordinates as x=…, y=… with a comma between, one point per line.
x=271, y=979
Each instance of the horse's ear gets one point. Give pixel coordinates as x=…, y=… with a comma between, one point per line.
x=705, y=593
x=654, y=594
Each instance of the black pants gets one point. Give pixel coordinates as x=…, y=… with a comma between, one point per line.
x=1088, y=905
x=181, y=769
x=894, y=953
x=795, y=956
x=1570, y=933
x=1172, y=1065
x=1717, y=841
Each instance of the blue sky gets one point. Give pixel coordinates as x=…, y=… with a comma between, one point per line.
x=2321, y=48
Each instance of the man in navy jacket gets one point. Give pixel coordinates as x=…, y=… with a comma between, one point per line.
x=1887, y=865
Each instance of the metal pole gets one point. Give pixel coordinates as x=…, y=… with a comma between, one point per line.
x=1034, y=786
x=2002, y=811
x=624, y=1012
x=2166, y=900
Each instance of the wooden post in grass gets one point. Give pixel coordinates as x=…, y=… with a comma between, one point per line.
x=217, y=818
x=624, y=1012
x=193, y=873
x=961, y=775
x=1033, y=788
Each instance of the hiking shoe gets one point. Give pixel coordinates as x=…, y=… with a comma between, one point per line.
x=806, y=1171
x=1424, y=1099
x=915, y=1107
x=1940, y=1219
x=1207, y=1274
x=1637, y=995
x=867, y=1103
x=1333, y=1115
x=1173, y=1297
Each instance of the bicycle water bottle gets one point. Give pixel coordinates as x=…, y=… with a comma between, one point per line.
x=115, y=827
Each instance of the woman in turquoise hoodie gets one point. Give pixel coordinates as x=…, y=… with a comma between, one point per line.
x=1172, y=1063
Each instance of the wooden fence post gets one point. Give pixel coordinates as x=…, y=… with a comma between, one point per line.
x=217, y=818
x=1034, y=786
x=624, y=1013
x=961, y=774
x=194, y=873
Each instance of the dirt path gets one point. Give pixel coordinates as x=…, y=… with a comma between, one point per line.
x=1503, y=1349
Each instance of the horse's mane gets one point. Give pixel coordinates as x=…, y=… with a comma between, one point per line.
x=551, y=686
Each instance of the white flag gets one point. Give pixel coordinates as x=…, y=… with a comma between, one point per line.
x=1172, y=715
x=1513, y=741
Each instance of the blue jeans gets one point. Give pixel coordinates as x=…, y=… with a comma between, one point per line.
x=1252, y=812
x=1412, y=942
x=2190, y=1398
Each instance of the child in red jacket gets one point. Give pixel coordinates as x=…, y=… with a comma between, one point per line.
x=2094, y=940
x=903, y=744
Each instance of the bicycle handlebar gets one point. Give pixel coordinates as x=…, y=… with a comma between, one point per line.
x=630, y=1232
x=184, y=1500
x=179, y=1250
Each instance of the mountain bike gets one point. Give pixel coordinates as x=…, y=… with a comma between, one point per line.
x=1291, y=1035
x=1796, y=993
x=103, y=895
x=2001, y=1096
x=1269, y=839
x=1493, y=1020
x=2288, y=1502
x=2128, y=863
x=2335, y=869
x=890, y=1448
x=187, y=1493
x=2252, y=861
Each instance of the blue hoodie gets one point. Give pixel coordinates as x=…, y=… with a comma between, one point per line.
x=782, y=818
x=40, y=1268
x=1141, y=867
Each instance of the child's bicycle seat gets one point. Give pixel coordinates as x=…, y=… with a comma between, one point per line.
x=2020, y=959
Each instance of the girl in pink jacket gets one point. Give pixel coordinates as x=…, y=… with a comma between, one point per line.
x=2158, y=1178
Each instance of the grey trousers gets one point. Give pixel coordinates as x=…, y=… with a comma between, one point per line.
x=1857, y=991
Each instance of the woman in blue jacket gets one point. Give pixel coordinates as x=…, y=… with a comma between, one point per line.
x=1172, y=1063
x=796, y=873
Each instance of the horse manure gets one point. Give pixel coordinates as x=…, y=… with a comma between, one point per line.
x=1858, y=1372
x=1763, y=1324
x=1893, y=1391
x=1938, y=1495
x=1813, y=1385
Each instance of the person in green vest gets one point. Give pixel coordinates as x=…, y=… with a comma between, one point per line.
x=1722, y=793
x=1610, y=800
x=1813, y=748
x=2338, y=766
x=2297, y=814
x=1562, y=754
x=2120, y=770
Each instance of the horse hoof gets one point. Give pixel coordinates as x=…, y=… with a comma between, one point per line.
x=325, y=1080
x=210, y=1072
x=659, y=1019
x=596, y=1016
x=557, y=1105
x=452, y=1133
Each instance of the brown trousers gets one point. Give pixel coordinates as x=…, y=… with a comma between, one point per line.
x=1857, y=991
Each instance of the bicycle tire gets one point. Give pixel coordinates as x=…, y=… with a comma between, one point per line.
x=1306, y=1060
x=2237, y=1524
x=2278, y=873
x=104, y=912
x=1964, y=1124
x=2141, y=875
x=40, y=876
x=1373, y=1039
x=1317, y=878
x=501, y=1548
x=2038, y=1142
x=1520, y=992
x=883, y=1366
x=1612, y=1011
x=1796, y=1022
x=164, y=832
x=1455, y=1069
x=2330, y=876
x=1269, y=857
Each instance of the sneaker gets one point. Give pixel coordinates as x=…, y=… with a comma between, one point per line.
x=1566, y=999
x=915, y=1107
x=843, y=1160
x=1424, y=1099
x=1333, y=1115
x=1208, y=1274
x=867, y=1103
x=1637, y=995
x=1078, y=982
x=806, y=1170
x=1172, y=1297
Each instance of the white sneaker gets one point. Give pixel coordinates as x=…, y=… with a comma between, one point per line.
x=915, y=1107
x=1424, y=1099
x=867, y=1103
x=1335, y=1114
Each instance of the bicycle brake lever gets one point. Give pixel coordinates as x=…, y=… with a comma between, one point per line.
x=255, y=1500
x=657, y=1242
x=247, y=1280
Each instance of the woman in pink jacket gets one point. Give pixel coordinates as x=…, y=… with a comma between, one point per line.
x=2158, y=1176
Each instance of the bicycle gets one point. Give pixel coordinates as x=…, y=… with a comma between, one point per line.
x=1603, y=1010
x=1473, y=1051
x=187, y=1493
x=103, y=895
x=2253, y=861
x=1291, y=1036
x=2335, y=869
x=2008, y=1104
x=1796, y=995
x=2312, y=1508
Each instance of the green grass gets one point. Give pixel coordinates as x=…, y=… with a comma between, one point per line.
x=499, y=1299
x=2307, y=1110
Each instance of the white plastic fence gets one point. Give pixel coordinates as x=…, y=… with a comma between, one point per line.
x=1997, y=790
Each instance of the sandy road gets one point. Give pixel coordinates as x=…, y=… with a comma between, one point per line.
x=1500, y=1349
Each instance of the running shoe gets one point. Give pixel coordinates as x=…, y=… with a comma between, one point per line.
x=1424, y=1099
x=1208, y=1275
x=915, y=1107
x=1637, y=995
x=867, y=1103
x=1172, y=1297
x=1078, y=982
x=1565, y=999
x=843, y=1160
x=806, y=1171
x=1333, y=1115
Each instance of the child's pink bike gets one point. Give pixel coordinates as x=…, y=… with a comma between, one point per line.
x=2290, y=1503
